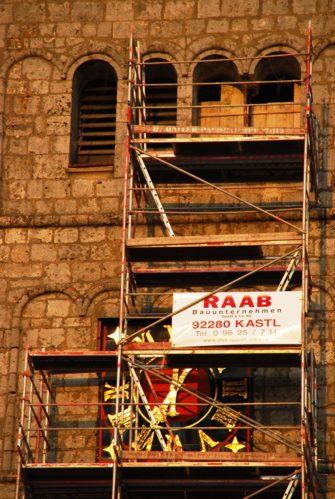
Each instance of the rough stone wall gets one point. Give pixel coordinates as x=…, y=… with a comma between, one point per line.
x=60, y=231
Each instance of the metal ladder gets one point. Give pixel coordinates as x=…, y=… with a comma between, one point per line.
x=155, y=196
x=292, y=267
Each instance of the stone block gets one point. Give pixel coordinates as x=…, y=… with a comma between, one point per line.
x=92, y=234
x=39, y=145
x=6, y=13
x=69, y=207
x=66, y=235
x=304, y=7
x=34, y=189
x=150, y=9
x=43, y=253
x=234, y=9
x=16, y=146
x=17, y=189
x=35, y=12
x=209, y=8
x=58, y=11
x=4, y=254
x=106, y=188
x=217, y=26
x=58, y=308
x=27, y=105
x=56, y=105
x=43, y=167
x=166, y=29
x=16, y=236
x=40, y=235
x=90, y=207
x=89, y=30
x=85, y=271
x=87, y=11
x=179, y=9
x=39, y=87
x=104, y=29
x=68, y=29
x=60, y=144
x=117, y=10
x=275, y=7
x=56, y=188
x=73, y=252
x=58, y=273
x=20, y=254
x=82, y=188
x=102, y=251
x=195, y=27
x=35, y=308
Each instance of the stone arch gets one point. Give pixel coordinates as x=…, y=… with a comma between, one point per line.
x=73, y=64
x=49, y=320
x=216, y=79
x=96, y=292
x=35, y=124
x=168, y=51
x=161, y=54
x=322, y=45
x=210, y=52
x=32, y=294
x=270, y=49
x=289, y=43
x=47, y=56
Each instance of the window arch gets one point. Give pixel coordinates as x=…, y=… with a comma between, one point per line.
x=93, y=114
x=161, y=100
x=277, y=100
x=277, y=68
x=211, y=80
x=160, y=96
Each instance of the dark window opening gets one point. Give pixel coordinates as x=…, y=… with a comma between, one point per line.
x=93, y=114
x=276, y=70
x=212, y=79
x=161, y=100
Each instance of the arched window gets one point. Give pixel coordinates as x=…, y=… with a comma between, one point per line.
x=212, y=79
x=281, y=75
x=161, y=92
x=93, y=114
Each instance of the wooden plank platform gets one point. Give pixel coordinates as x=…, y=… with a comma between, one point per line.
x=190, y=458
x=240, y=133
x=270, y=238
x=205, y=247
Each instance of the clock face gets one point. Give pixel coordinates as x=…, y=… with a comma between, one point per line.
x=186, y=416
x=174, y=408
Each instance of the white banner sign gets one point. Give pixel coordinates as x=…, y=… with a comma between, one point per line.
x=264, y=318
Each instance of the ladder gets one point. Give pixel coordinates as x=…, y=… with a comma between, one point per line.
x=292, y=485
x=292, y=266
x=155, y=196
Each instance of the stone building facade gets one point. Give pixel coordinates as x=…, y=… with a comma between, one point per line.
x=60, y=226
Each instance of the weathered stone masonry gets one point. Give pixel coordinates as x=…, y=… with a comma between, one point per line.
x=60, y=230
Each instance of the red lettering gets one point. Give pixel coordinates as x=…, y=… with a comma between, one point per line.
x=246, y=300
x=239, y=323
x=228, y=301
x=211, y=301
x=263, y=301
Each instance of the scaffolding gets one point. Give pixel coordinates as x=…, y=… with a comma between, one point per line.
x=217, y=199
